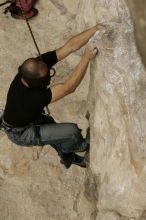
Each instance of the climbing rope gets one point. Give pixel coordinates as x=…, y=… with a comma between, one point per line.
x=30, y=30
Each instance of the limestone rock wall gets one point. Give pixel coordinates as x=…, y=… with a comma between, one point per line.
x=138, y=13
x=116, y=104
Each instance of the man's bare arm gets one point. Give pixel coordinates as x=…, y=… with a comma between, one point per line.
x=77, y=42
x=73, y=81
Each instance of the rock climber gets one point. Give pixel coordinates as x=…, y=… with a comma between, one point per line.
x=24, y=120
x=17, y=6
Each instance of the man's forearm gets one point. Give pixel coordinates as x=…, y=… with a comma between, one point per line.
x=81, y=39
x=73, y=81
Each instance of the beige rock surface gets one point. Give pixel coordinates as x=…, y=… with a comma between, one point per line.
x=138, y=13
x=33, y=185
x=117, y=106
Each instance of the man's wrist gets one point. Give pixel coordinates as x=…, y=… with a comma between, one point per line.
x=100, y=26
x=86, y=58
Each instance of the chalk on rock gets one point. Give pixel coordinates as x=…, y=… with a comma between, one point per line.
x=94, y=41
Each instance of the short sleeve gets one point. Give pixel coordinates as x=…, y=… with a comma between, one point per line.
x=50, y=58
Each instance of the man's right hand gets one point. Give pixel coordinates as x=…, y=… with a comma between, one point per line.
x=74, y=79
x=89, y=53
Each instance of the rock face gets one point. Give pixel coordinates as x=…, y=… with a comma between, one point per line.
x=116, y=104
x=33, y=185
x=138, y=13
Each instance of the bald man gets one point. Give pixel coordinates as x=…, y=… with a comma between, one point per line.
x=24, y=120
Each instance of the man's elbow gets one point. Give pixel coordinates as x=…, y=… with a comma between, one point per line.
x=72, y=90
x=69, y=89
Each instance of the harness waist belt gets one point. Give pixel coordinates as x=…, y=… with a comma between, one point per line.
x=5, y=124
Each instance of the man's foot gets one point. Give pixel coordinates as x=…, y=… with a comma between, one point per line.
x=67, y=159
x=79, y=161
x=18, y=15
x=83, y=147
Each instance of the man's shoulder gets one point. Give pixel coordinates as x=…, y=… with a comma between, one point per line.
x=14, y=81
x=50, y=58
x=16, y=78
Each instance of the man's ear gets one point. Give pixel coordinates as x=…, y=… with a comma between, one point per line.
x=53, y=72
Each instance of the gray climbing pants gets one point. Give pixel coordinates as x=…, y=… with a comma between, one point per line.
x=65, y=138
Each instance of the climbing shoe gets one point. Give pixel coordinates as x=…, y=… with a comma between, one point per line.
x=84, y=146
x=67, y=159
x=79, y=161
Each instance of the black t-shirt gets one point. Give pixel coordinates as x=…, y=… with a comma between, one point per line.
x=24, y=105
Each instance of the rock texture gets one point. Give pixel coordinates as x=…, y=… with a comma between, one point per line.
x=116, y=104
x=33, y=185
x=138, y=13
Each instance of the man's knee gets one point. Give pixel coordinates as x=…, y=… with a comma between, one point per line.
x=76, y=132
x=74, y=129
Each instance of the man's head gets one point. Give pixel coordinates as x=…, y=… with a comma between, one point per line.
x=35, y=73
